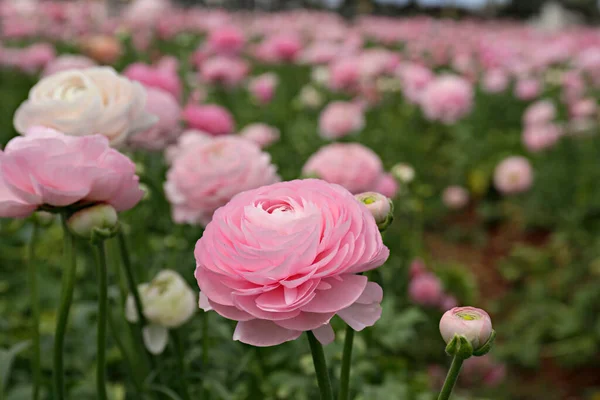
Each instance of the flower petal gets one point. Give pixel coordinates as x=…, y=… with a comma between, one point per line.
x=263, y=333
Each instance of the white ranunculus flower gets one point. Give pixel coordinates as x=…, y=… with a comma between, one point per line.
x=168, y=302
x=84, y=102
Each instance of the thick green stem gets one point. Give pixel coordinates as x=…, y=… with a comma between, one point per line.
x=451, y=378
x=205, y=349
x=66, y=298
x=346, y=364
x=35, y=313
x=102, y=308
x=318, y=356
x=177, y=347
x=131, y=282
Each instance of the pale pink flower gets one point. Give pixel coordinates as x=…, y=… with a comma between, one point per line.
x=344, y=75
x=47, y=168
x=261, y=134
x=226, y=71
x=66, y=62
x=540, y=113
x=387, y=186
x=208, y=173
x=227, y=40
x=482, y=370
x=472, y=323
x=278, y=48
x=263, y=87
x=527, y=88
x=293, y=265
x=583, y=109
x=161, y=76
x=447, y=99
x=414, y=79
x=455, y=197
x=447, y=302
x=352, y=165
x=164, y=106
x=495, y=81
x=417, y=267
x=210, y=118
x=425, y=289
x=537, y=137
x=339, y=119
x=513, y=175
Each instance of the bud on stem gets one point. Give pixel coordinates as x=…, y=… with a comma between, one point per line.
x=380, y=207
x=95, y=223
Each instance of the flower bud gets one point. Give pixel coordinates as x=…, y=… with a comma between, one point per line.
x=380, y=207
x=43, y=218
x=403, y=172
x=97, y=222
x=471, y=323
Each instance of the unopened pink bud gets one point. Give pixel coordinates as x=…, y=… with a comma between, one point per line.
x=472, y=323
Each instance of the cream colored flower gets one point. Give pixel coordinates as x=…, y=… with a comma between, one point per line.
x=84, y=102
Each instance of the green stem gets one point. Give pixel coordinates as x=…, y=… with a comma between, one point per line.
x=346, y=363
x=102, y=308
x=35, y=313
x=205, y=349
x=318, y=356
x=131, y=282
x=451, y=378
x=66, y=298
x=177, y=347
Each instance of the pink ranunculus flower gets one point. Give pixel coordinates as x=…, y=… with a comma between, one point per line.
x=226, y=71
x=513, y=175
x=414, y=79
x=66, y=62
x=425, y=289
x=263, y=87
x=35, y=57
x=482, y=370
x=351, y=165
x=417, y=268
x=495, y=81
x=160, y=76
x=47, y=168
x=387, y=186
x=455, y=197
x=210, y=118
x=278, y=48
x=472, y=323
x=527, y=88
x=261, y=134
x=339, y=119
x=164, y=106
x=447, y=99
x=583, y=109
x=344, y=74
x=540, y=113
x=537, y=137
x=226, y=40
x=208, y=173
x=284, y=259
x=447, y=302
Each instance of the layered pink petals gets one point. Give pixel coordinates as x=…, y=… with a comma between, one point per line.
x=282, y=259
x=51, y=169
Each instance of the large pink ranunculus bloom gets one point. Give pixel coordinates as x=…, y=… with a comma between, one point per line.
x=340, y=118
x=352, y=165
x=284, y=259
x=210, y=171
x=164, y=106
x=47, y=168
x=210, y=118
x=447, y=99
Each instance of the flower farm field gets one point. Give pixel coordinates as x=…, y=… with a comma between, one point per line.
x=196, y=204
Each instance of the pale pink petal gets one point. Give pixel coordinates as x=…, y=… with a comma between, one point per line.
x=373, y=293
x=343, y=293
x=306, y=321
x=263, y=333
x=324, y=334
x=359, y=316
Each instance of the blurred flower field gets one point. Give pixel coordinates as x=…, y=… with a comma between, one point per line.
x=484, y=133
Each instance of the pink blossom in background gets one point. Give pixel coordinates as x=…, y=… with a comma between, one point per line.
x=537, y=137
x=226, y=71
x=414, y=79
x=344, y=75
x=164, y=106
x=527, y=88
x=161, y=76
x=482, y=371
x=104, y=49
x=588, y=62
x=285, y=272
x=279, y=48
x=339, y=119
x=188, y=139
x=425, y=289
x=261, y=134
x=208, y=173
x=583, y=109
x=351, y=165
x=226, y=40
x=447, y=302
x=513, y=175
x=455, y=197
x=67, y=61
x=321, y=52
x=29, y=59
x=263, y=87
x=495, y=81
x=210, y=118
x=387, y=186
x=146, y=13
x=447, y=99
x=573, y=86
x=539, y=113
x=48, y=168
x=417, y=267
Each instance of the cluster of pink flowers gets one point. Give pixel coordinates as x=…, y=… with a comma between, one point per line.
x=426, y=289
x=540, y=130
